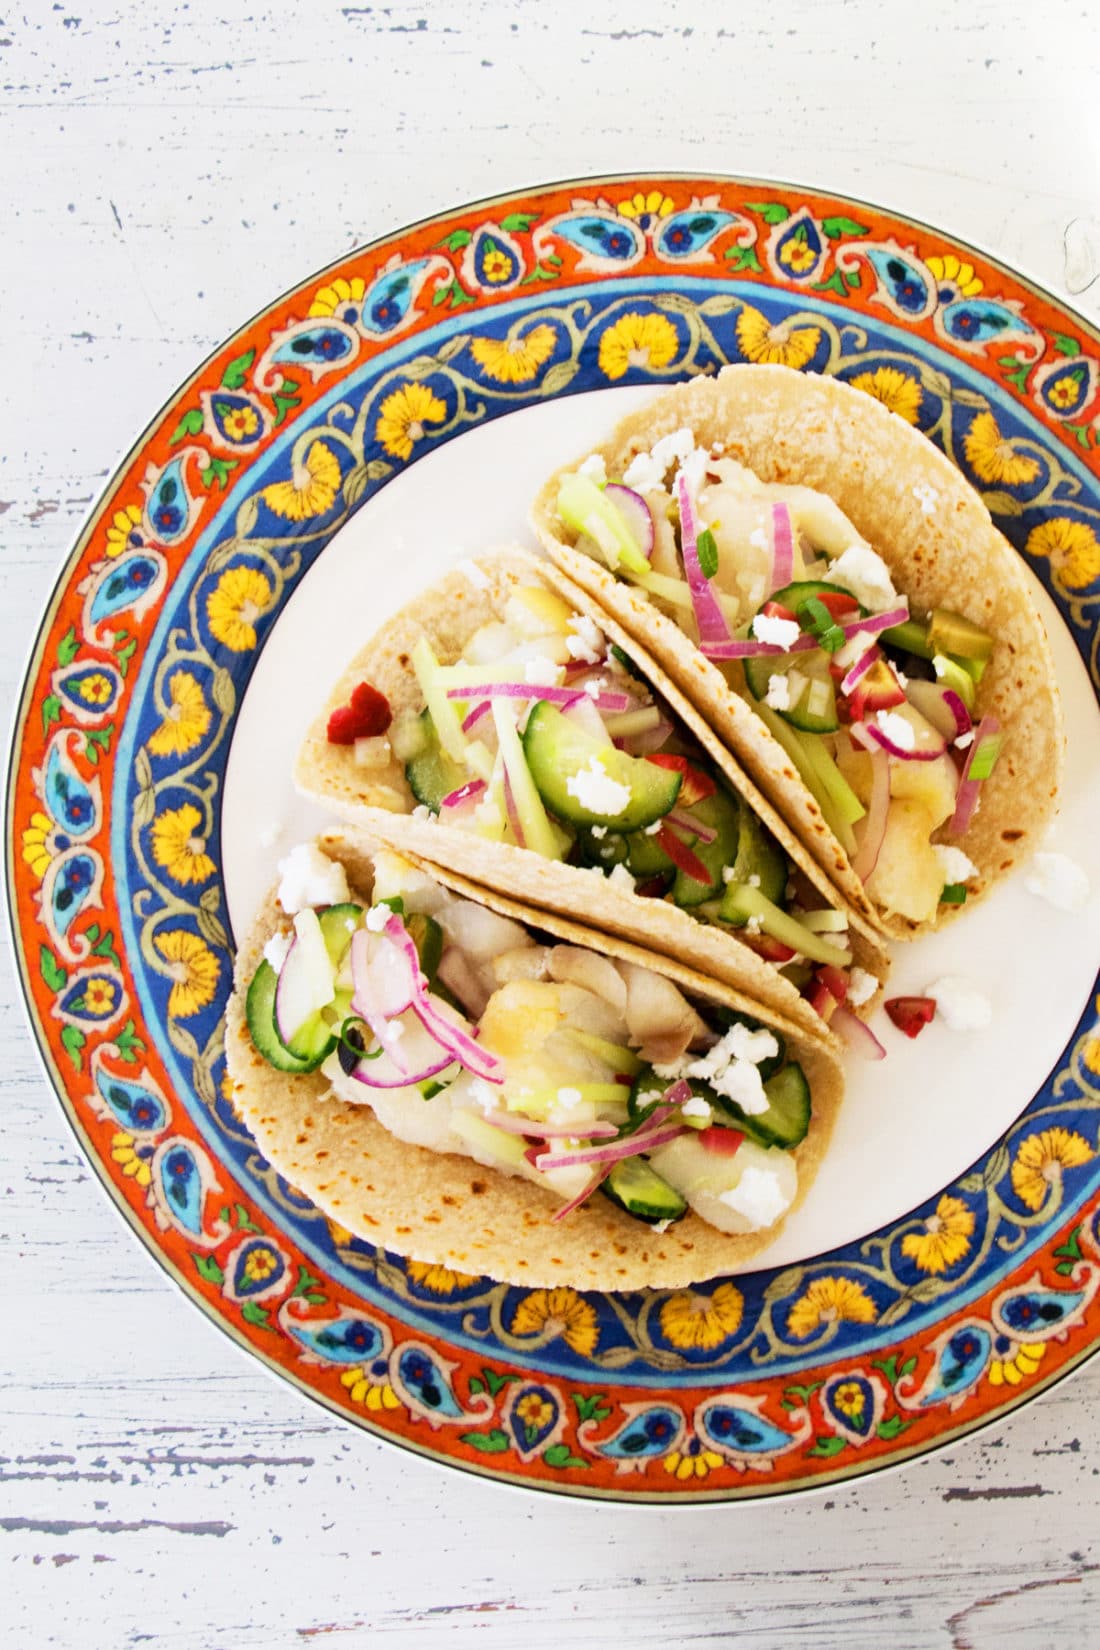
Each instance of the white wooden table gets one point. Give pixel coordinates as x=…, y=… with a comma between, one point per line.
x=163, y=170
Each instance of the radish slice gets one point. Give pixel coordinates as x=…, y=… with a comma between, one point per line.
x=382, y=974
x=633, y=507
x=421, y=1058
x=713, y=629
x=448, y=1028
x=966, y=797
x=874, y=825
x=782, y=547
x=297, y=997
x=857, y=1034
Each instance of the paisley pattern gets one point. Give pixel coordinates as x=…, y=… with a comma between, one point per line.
x=822, y=1370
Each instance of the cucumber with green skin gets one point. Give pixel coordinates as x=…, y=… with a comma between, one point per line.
x=788, y=1094
x=314, y=1040
x=642, y=1192
x=722, y=813
x=760, y=670
x=558, y=752
x=431, y=773
x=759, y=855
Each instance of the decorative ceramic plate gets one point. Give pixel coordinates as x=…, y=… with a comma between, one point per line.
x=393, y=412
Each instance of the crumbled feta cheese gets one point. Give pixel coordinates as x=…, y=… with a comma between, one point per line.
x=730, y=1067
x=392, y=1031
x=308, y=877
x=754, y=925
x=270, y=834
x=754, y=879
x=421, y=811
x=955, y=865
x=598, y=831
x=594, y=687
x=758, y=539
x=654, y=829
x=586, y=639
x=697, y=1107
x=594, y=468
x=861, y=987
x=778, y=632
x=276, y=949
x=483, y=1093
x=728, y=873
x=778, y=695
x=473, y=572
x=662, y=1226
x=622, y=878
x=541, y=672
x=757, y=1196
x=646, y=471
x=964, y=740
x=693, y=468
x=927, y=497
x=899, y=732
x=854, y=649
x=569, y=1099
x=866, y=575
x=595, y=789
x=377, y=918
x=1059, y=880
x=959, y=1004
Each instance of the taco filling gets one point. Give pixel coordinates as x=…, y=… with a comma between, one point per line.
x=467, y=1033
x=543, y=736
x=875, y=704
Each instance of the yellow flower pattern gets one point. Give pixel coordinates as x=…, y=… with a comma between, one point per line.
x=238, y=599
x=312, y=488
x=441, y=1280
x=100, y=996
x=241, y=422
x=944, y=1239
x=260, y=1263
x=177, y=846
x=1025, y=1361
x=402, y=418
x=1072, y=549
x=186, y=720
x=1090, y=1054
x=639, y=205
x=1040, y=1160
x=96, y=689
x=993, y=458
x=645, y=341
x=553, y=1312
x=683, y=1464
x=959, y=274
x=780, y=345
x=830, y=1301
x=849, y=1398
x=693, y=1320
x=514, y=360
x=125, y=1154
x=797, y=255
x=534, y=1410
x=123, y=525
x=375, y=1395
x=898, y=391
x=193, y=969
x=36, y=838
x=328, y=299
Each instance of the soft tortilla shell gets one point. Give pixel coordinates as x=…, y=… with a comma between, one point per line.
x=379, y=799
x=450, y=1211
x=797, y=427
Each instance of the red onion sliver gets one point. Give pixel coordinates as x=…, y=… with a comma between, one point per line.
x=583, y=1129
x=892, y=748
x=872, y=623
x=860, y=668
x=874, y=825
x=446, y=1032
x=685, y=822
x=644, y=744
x=963, y=720
x=465, y=793
x=582, y=1197
x=966, y=797
x=630, y=1147
x=474, y=717
x=513, y=812
x=857, y=1034
x=713, y=628
x=782, y=547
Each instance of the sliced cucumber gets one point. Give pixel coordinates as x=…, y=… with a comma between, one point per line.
x=759, y=855
x=722, y=813
x=557, y=751
x=787, y=1118
x=427, y=936
x=642, y=1192
x=260, y=1015
x=741, y=903
x=814, y=710
x=795, y=596
x=338, y=923
x=431, y=773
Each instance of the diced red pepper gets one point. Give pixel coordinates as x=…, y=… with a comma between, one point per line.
x=835, y=980
x=723, y=1142
x=877, y=689
x=822, y=1001
x=696, y=786
x=367, y=715
x=776, y=610
x=911, y=1014
x=682, y=857
x=766, y=946
x=838, y=602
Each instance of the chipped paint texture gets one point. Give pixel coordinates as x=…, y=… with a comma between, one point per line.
x=189, y=161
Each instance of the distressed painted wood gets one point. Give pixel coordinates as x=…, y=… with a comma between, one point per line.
x=164, y=170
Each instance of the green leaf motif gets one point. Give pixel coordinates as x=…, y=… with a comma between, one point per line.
x=852, y=277
x=891, y=1427
x=216, y=472
x=560, y=1456
x=125, y=654
x=245, y=1224
x=836, y=227
x=129, y=1044
x=189, y=424
x=540, y=273
x=476, y=1385
x=744, y=257
x=306, y=1281
x=72, y=1041
x=105, y=947
x=68, y=647
x=1065, y=343
x=518, y=223
x=253, y=1312
x=592, y=1408
x=801, y=1394
x=208, y=1269
x=908, y=1366
x=835, y=283
x=51, y=711
x=489, y=1443
x=457, y=239
x=827, y=1447
x=1081, y=431
x=770, y=211
x=51, y=970
x=495, y=1382
x=237, y=370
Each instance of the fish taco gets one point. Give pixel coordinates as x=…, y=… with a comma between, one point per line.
x=495, y=728
x=830, y=592
x=471, y=1084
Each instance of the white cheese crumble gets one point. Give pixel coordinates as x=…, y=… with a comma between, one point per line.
x=276, y=949
x=586, y=639
x=662, y=1226
x=421, y=811
x=473, y=572
x=964, y=740
x=595, y=687
x=854, y=648
x=861, y=987
x=541, y=672
x=377, y=918
x=959, y=1004
x=955, y=865
x=778, y=632
x=594, y=468
x=483, y=1093
x=927, y=497
x=622, y=878
x=598, y=831
x=778, y=695
x=758, y=539
x=595, y=790
x=899, y=732
x=646, y=471
x=654, y=829
x=697, y=1107
x=757, y=1196
x=1059, y=880
x=308, y=878
x=569, y=1099
x=866, y=575
x=730, y=1067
